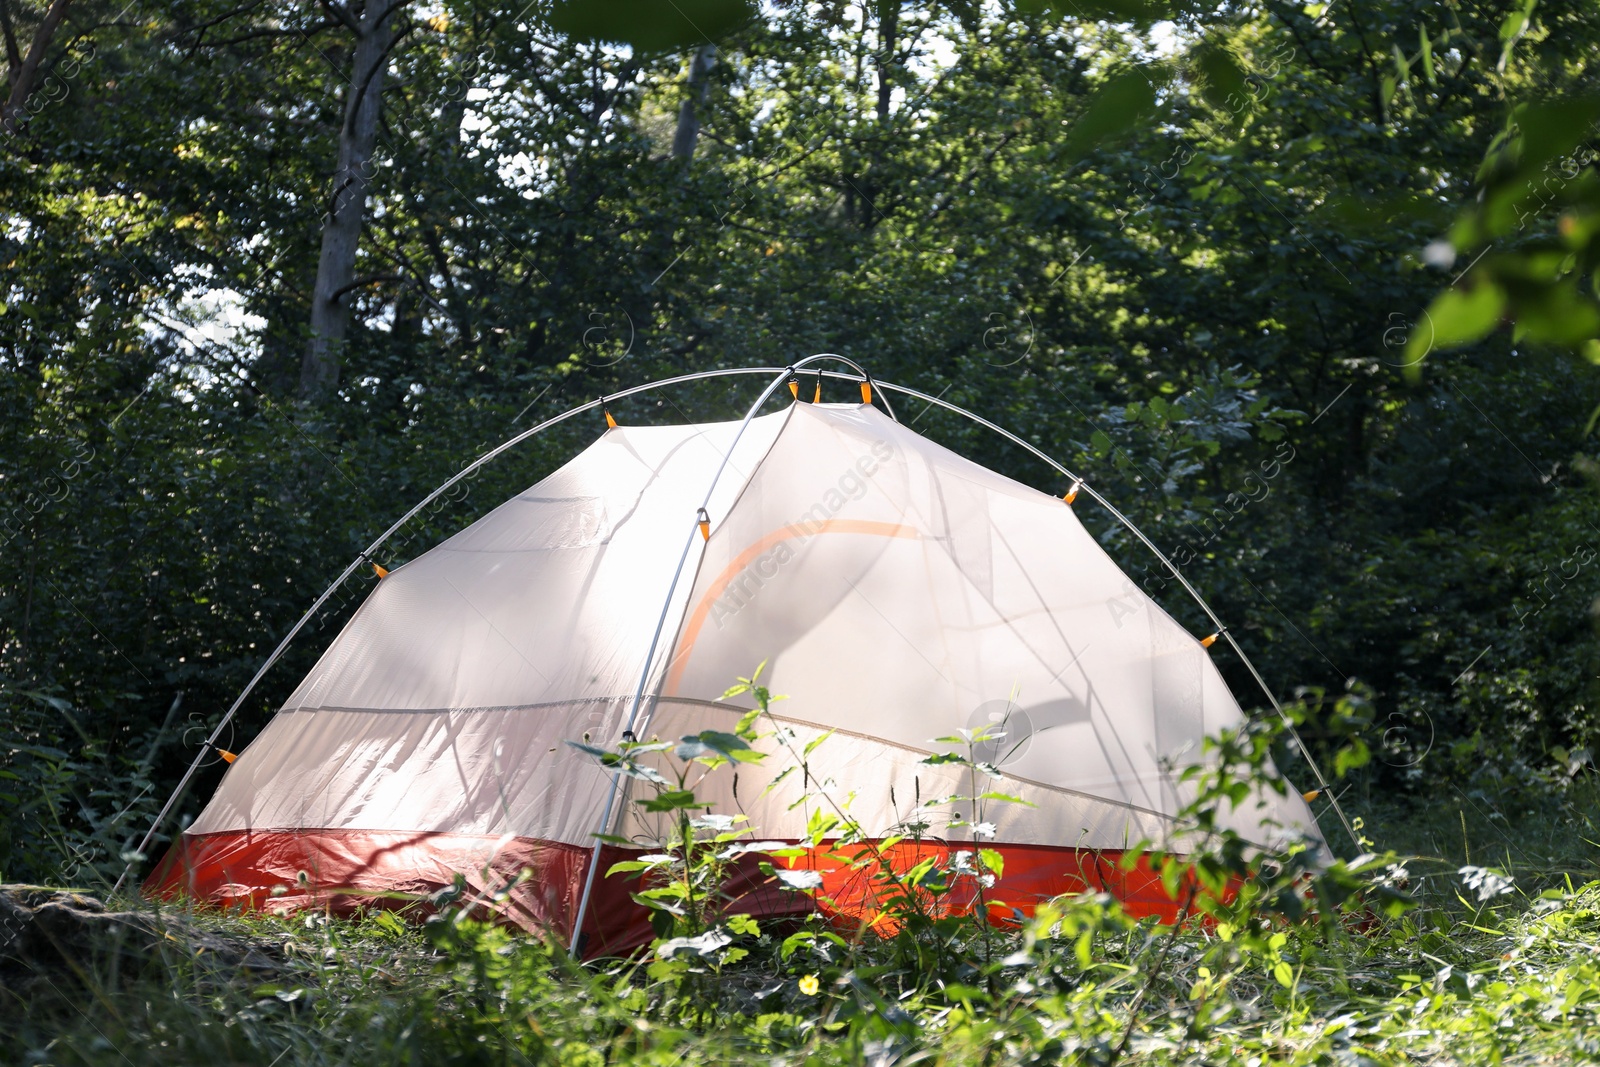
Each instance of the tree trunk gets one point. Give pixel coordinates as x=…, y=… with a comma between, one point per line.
x=688, y=132
x=20, y=76
x=888, y=28
x=341, y=230
x=13, y=53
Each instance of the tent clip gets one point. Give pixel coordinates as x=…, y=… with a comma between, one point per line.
x=705, y=524
x=1207, y=642
x=1072, y=493
x=794, y=386
x=611, y=423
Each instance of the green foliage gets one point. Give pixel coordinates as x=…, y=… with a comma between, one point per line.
x=648, y=26
x=1274, y=954
x=1195, y=278
x=72, y=810
x=1196, y=272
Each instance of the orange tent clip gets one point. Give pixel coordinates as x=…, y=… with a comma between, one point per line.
x=794, y=388
x=380, y=570
x=816, y=397
x=866, y=392
x=1072, y=493
x=227, y=756
x=705, y=525
x=1207, y=642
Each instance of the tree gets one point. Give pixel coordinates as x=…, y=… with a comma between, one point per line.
x=22, y=70
x=373, y=27
x=694, y=96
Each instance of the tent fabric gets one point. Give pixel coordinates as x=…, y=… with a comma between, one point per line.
x=897, y=592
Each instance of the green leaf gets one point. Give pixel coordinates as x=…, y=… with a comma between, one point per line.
x=1348, y=758
x=1005, y=797
x=1558, y=314
x=671, y=800
x=654, y=897
x=746, y=722
x=629, y=866
x=1138, y=12
x=1114, y=110
x=719, y=744
x=648, y=25
x=993, y=861
x=1222, y=80
x=1553, y=128
x=926, y=875
x=794, y=941
x=1456, y=317
x=1513, y=24
x=623, y=763
x=819, y=825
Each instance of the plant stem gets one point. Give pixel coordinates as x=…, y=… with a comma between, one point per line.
x=1155, y=973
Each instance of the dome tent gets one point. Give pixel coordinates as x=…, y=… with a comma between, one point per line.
x=897, y=591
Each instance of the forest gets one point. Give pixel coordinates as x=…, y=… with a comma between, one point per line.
x=1309, y=291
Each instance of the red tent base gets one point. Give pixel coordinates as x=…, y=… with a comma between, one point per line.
x=345, y=871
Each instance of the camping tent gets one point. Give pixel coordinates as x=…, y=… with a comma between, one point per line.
x=898, y=593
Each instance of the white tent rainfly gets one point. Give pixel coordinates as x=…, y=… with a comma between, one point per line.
x=897, y=592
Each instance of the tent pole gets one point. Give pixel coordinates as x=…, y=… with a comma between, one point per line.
x=782, y=373
x=1311, y=762
x=853, y=365
x=283, y=646
x=574, y=945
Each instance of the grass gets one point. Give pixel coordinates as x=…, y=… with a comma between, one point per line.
x=1514, y=976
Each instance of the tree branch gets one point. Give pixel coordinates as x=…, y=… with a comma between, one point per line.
x=22, y=80
x=13, y=53
x=342, y=13
x=362, y=283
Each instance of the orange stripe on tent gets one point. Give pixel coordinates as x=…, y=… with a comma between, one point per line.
x=702, y=610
